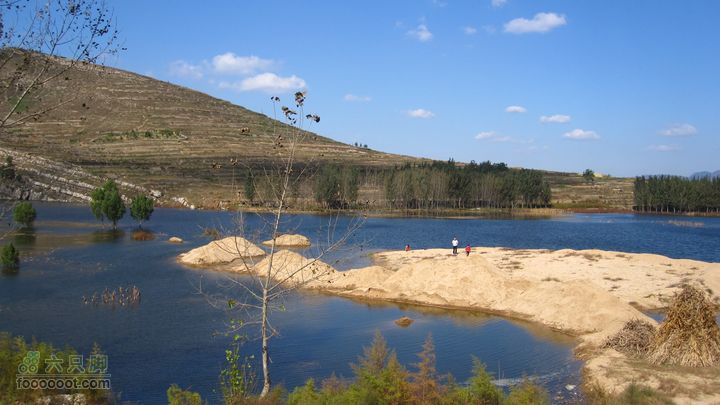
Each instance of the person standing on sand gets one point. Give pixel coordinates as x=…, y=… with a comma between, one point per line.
x=455, y=244
x=407, y=248
x=467, y=250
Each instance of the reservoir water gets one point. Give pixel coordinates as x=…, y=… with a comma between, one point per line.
x=176, y=336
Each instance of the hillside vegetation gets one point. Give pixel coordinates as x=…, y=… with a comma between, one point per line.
x=156, y=137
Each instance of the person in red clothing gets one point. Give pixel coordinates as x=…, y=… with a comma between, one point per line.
x=467, y=250
x=407, y=248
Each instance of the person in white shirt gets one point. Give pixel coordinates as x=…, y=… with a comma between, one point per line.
x=455, y=244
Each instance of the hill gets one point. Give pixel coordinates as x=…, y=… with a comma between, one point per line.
x=155, y=136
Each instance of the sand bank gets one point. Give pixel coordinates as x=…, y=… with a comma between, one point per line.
x=590, y=294
x=289, y=241
x=221, y=251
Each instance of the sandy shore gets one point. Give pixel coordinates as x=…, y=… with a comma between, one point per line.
x=589, y=294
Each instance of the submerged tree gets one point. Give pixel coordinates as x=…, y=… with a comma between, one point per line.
x=141, y=207
x=10, y=257
x=106, y=203
x=24, y=214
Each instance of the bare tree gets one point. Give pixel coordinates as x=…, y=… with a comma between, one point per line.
x=81, y=32
x=268, y=281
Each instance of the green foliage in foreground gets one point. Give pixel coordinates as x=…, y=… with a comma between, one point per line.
x=634, y=394
x=381, y=379
x=10, y=257
x=24, y=214
x=178, y=396
x=12, y=352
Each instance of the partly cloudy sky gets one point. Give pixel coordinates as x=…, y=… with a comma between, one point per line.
x=620, y=87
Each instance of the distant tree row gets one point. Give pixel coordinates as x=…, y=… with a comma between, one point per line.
x=337, y=187
x=676, y=194
x=440, y=185
x=427, y=186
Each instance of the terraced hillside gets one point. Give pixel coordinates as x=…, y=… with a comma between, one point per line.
x=155, y=136
x=159, y=135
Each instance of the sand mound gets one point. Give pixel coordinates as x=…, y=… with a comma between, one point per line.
x=296, y=270
x=432, y=277
x=289, y=241
x=689, y=336
x=633, y=339
x=221, y=251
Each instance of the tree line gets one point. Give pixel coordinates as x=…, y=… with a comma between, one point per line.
x=442, y=185
x=437, y=185
x=676, y=194
x=427, y=186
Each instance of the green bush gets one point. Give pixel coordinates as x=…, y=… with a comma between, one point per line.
x=13, y=351
x=481, y=388
x=24, y=214
x=178, y=396
x=10, y=257
x=636, y=394
x=527, y=393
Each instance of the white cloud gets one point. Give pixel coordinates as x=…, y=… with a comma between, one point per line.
x=470, y=30
x=557, y=118
x=663, y=148
x=485, y=135
x=421, y=113
x=679, y=130
x=268, y=82
x=493, y=136
x=498, y=3
x=541, y=22
x=581, y=134
x=353, y=97
x=181, y=68
x=515, y=109
x=229, y=63
x=421, y=33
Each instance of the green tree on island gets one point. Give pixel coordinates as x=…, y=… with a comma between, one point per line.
x=141, y=207
x=589, y=176
x=106, y=202
x=24, y=214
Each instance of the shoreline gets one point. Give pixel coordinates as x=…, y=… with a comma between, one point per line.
x=586, y=295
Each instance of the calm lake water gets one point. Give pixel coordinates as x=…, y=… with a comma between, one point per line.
x=176, y=336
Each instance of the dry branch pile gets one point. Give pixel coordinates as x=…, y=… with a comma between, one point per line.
x=689, y=336
x=633, y=339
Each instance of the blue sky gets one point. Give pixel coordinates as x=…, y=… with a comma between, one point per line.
x=625, y=87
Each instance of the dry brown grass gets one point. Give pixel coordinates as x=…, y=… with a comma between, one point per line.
x=633, y=339
x=142, y=234
x=689, y=336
